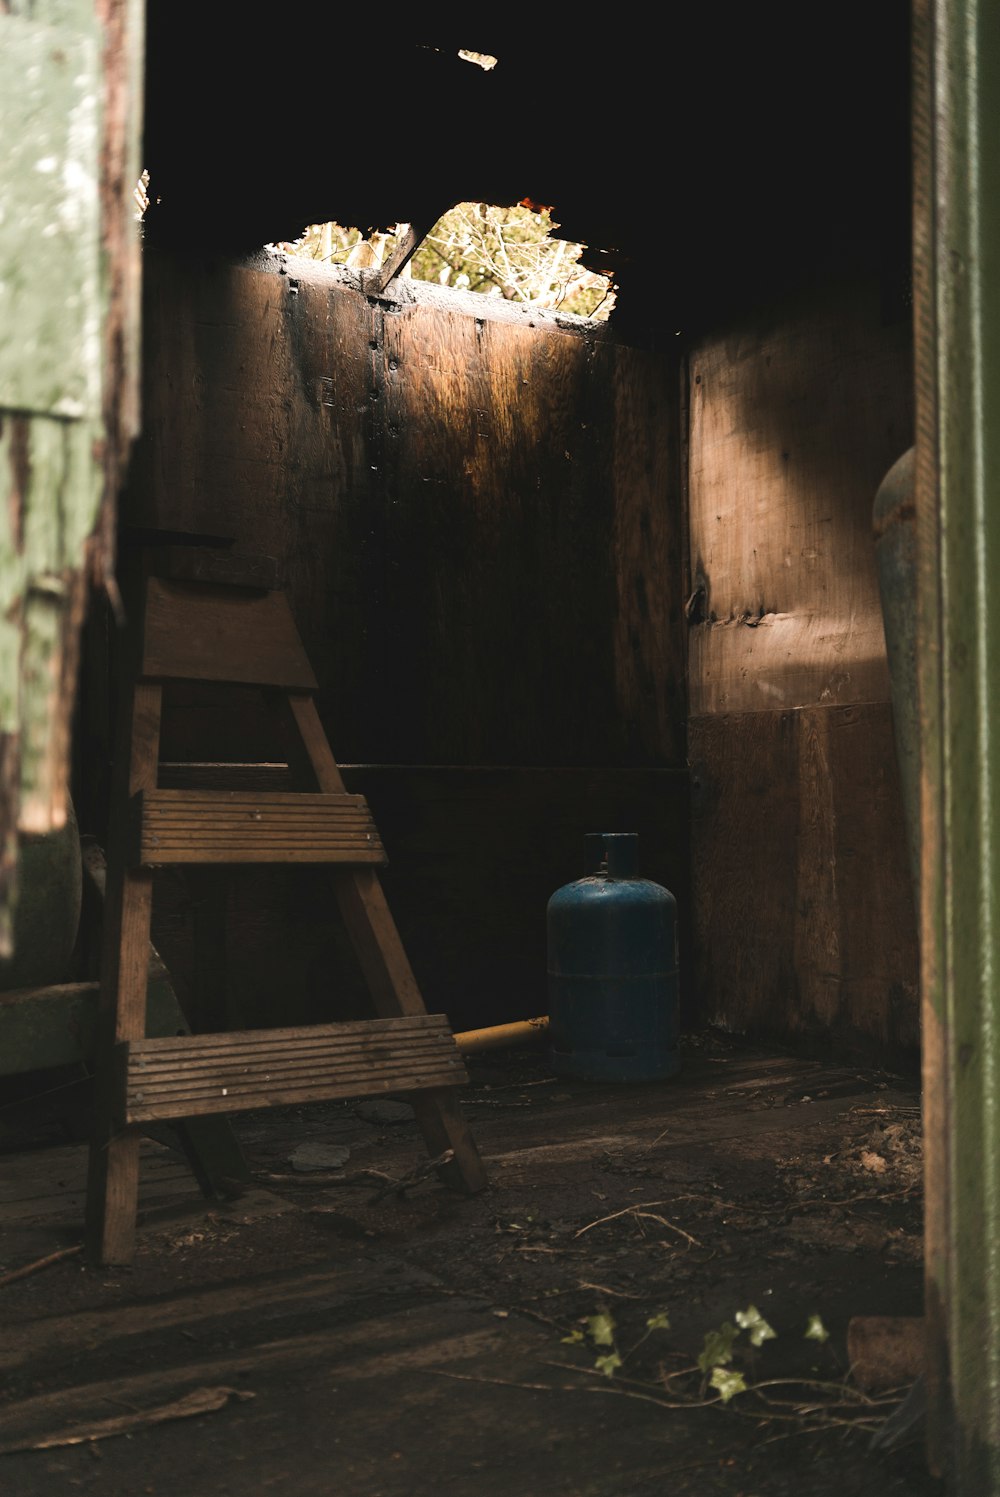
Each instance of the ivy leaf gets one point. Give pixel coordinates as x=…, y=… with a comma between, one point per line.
x=602, y=1329
x=659, y=1322
x=816, y=1330
x=572, y=1338
x=718, y=1347
x=727, y=1383
x=753, y=1321
x=608, y=1364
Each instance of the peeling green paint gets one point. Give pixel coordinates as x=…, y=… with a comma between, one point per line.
x=52, y=494
x=50, y=322
x=51, y=317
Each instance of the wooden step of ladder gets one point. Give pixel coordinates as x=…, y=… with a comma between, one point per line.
x=246, y=636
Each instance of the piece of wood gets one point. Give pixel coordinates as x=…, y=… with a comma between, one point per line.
x=204, y=1074
x=113, y=1167
x=386, y=967
x=311, y=758
x=360, y=896
x=46, y=1027
x=129, y=901
x=217, y=826
x=32, y=1268
x=372, y=929
x=799, y=844
x=201, y=632
x=403, y=253
x=209, y=1144
x=444, y=1131
x=794, y=420
x=215, y=776
x=193, y=1404
x=211, y=564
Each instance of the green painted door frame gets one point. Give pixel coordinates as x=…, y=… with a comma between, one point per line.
x=70, y=127
x=956, y=135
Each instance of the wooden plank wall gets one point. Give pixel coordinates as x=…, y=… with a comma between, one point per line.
x=479, y=525
x=798, y=839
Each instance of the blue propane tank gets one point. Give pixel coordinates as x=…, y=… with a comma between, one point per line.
x=614, y=1003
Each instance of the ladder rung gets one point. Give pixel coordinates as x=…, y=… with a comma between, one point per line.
x=243, y=826
x=196, y=1075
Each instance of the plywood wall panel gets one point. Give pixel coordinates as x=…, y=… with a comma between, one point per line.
x=799, y=845
x=477, y=518
x=493, y=535
x=795, y=418
x=647, y=545
x=532, y=478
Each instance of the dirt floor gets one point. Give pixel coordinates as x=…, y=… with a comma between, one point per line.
x=336, y=1331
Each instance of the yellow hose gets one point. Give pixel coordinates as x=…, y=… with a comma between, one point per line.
x=502, y=1036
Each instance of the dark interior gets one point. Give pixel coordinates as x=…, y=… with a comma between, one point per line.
x=726, y=155
x=553, y=577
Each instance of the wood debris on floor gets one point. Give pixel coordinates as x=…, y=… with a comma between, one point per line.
x=657, y=1284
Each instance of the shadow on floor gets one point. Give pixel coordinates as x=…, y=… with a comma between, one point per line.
x=337, y=1330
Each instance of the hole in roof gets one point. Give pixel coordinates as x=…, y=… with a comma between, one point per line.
x=509, y=252
x=481, y=59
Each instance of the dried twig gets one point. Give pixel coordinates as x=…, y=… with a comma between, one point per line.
x=641, y=1209
x=492, y=1102
x=653, y=1217
x=639, y=1206
x=388, y=1184
x=414, y=1177
x=40, y=1263
x=810, y=1419
x=845, y=1391
x=604, y=1289
x=873, y=1197
x=199, y=1401
x=324, y=1177
x=499, y=1382
x=626, y=1389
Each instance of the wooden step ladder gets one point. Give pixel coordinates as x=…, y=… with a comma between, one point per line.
x=246, y=636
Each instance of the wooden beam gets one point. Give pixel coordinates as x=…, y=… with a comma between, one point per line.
x=403, y=253
x=204, y=1074
x=234, y=826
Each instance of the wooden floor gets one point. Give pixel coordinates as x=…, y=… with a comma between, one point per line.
x=339, y=1329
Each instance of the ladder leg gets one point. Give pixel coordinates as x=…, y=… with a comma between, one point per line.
x=113, y=1171
x=394, y=990
x=209, y=1144
x=112, y=1198
x=384, y=963
x=214, y=1154
x=442, y=1126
